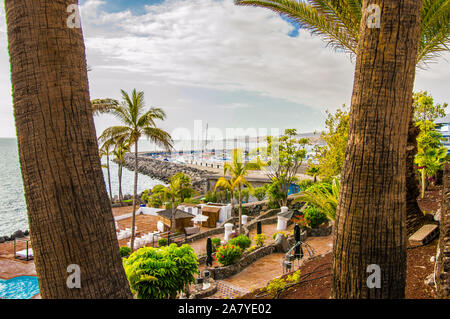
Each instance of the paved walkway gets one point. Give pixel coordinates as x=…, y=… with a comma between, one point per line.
x=262, y=271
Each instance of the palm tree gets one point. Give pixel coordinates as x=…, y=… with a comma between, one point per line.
x=339, y=22
x=105, y=150
x=323, y=196
x=313, y=171
x=137, y=123
x=376, y=152
x=238, y=171
x=70, y=217
x=371, y=215
x=119, y=153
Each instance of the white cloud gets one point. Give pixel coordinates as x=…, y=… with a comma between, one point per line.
x=218, y=45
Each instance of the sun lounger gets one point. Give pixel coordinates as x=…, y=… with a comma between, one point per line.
x=23, y=253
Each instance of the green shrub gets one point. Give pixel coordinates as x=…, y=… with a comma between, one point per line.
x=145, y=195
x=260, y=193
x=260, y=239
x=245, y=195
x=314, y=217
x=154, y=201
x=162, y=242
x=305, y=184
x=242, y=241
x=228, y=254
x=210, y=197
x=161, y=273
x=215, y=243
x=191, y=201
x=125, y=251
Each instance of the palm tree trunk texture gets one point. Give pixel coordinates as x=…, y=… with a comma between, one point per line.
x=371, y=214
x=69, y=213
x=133, y=219
x=414, y=215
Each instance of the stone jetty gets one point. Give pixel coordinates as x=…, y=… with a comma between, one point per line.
x=164, y=170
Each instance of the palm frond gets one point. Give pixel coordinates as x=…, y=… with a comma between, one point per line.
x=319, y=18
x=435, y=31
x=101, y=106
x=159, y=137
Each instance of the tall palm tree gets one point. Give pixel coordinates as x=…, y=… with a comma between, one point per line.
x=238, y=169
x=105, y=150
x=70, y=217
x=381, y=75
x=338, y=22
x=137, y=123
x=119, y=153
x=371, y=215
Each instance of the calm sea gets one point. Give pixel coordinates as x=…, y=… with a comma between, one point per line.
x=13, y=212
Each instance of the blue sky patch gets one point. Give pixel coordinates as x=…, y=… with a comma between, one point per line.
x=135, y=6
x=294, y=32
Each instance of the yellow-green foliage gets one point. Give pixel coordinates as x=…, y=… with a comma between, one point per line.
x=278, y=284
x=331, y=157
x=260, y=239
x=294, y=277
x=160, y=273
x=251, y=249
x=279, y=232
x=275, y=286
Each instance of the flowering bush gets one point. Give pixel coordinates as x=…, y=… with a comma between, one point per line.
x=228, y=254
x=260, y=239
x=242, y=241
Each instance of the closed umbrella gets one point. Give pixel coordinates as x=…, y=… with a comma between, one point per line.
x=298, y=248
x=209, y=258
x=258, y=228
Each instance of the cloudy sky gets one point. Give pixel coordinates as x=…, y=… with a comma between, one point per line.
x=209, y=60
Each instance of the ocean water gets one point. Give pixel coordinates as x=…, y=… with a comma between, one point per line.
x=13, y=211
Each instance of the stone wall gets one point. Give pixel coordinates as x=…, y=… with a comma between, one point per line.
x=443, y=269
x=228, y=271
x=255, y=208
x=164, y=170
x=208, y=233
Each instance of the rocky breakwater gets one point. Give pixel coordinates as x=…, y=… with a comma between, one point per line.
x=164, y=170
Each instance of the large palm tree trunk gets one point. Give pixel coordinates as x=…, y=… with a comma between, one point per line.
x=133, y=219
x=371, y=215
x=69, y=214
